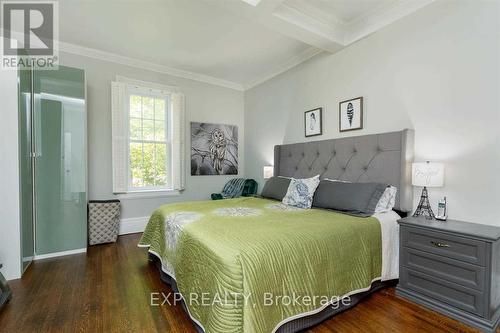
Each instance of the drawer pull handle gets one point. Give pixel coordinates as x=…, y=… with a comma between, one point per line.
x=437, y=244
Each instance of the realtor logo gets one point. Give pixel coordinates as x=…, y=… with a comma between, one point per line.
x=30, y=31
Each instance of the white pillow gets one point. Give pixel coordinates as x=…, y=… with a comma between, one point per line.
x=301, y=191
x=387, y=200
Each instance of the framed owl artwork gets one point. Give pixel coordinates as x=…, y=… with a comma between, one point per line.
x=214, y=149
x=351, y=114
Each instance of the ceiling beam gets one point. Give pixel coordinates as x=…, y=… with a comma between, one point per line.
x=279, y=17
x=293, y=19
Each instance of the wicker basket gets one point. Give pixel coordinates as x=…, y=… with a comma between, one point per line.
x=104, y=221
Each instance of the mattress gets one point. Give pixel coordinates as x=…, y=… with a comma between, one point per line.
x=253, y=265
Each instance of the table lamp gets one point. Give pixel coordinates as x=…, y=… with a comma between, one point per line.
x=268, y=171
x=426, y=174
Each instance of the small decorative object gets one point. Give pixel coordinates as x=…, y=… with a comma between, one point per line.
x=426, y=174
x=5, y=293
x=214, y=149
x=268, y=171
x=312, y=122
x=442, y=210
x=351, y=114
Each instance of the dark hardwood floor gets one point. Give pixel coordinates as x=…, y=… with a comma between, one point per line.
x=108, y=290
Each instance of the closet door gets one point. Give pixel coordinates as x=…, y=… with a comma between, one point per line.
x=26, y=167
x=61, y=163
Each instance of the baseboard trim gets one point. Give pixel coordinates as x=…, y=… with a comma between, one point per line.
x=133, y=225
x=59, y=254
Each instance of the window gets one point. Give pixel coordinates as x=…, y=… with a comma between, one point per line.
x=149, y=141
x=148, y=137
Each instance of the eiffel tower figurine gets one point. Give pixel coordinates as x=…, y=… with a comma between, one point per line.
x=424, y=207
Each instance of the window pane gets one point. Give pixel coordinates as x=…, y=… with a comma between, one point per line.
x=148, y=129
x=148, y=107
x=136, y=164
x=135, y=106
x=135, y=129
x=148, y=165
x=159, y=131
x=160, y=109
x=161, y=165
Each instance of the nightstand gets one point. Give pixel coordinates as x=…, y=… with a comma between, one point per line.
x=452, y=267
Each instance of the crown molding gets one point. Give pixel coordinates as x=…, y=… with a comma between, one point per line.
x=132, y=62
x=293, y=62
x=127, y=61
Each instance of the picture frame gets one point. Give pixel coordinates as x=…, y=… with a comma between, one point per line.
x=313, y=122
x=214, y=149
x=351, y=114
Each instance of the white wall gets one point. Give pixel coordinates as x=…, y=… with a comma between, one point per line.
x=436, y=71
x=10, y=240
x=204, y=103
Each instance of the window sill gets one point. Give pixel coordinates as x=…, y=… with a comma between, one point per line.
x=147, y=194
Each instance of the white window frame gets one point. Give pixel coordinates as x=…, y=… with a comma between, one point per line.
x=167, y=96
x=121, y=89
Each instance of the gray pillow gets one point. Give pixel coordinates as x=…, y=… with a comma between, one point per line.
x=358, y=199
x=275, y=188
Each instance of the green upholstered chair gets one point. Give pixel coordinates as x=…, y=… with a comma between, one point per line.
x=235, y=188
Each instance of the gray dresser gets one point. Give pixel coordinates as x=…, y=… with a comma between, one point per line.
x=452, y=267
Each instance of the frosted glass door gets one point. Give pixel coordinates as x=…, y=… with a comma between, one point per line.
x=60, y=167
x=26, y=167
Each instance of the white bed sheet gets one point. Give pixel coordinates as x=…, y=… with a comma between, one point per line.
x=390, y=244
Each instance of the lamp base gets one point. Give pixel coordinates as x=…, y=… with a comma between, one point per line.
x=424, y=208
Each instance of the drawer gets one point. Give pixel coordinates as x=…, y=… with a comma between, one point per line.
x=455, y=247
x=443, y=291
x=459, y=272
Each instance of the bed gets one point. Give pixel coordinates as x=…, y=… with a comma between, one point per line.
x=257, y=265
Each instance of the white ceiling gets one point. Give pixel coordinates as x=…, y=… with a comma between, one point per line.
x=232, y=43
x=343, y=11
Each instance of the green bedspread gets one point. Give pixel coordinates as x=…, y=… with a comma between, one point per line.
x=249, y=264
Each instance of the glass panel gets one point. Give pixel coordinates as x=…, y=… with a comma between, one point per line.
x=135, y=106
x=148, y=107
x=148, y=156
x=161, y=164
x=136, y=164
x=160, y=109
x=159, y=130
x=135, y=129
x=148, y=164
x=26, y=169
x=148, y=129
x=60, y=165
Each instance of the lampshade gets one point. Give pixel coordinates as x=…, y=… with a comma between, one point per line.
x=428, y=174
x=268, y=171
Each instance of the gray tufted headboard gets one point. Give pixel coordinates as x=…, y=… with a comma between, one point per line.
x=383, y=158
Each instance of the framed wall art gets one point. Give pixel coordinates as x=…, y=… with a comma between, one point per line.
x=351, y=114
x=313, y=122
x=214, y=149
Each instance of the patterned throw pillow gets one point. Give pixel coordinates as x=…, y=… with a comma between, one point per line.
x=301, y=191
x=387, y=200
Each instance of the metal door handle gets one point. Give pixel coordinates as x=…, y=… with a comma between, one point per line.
x=437, y=244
